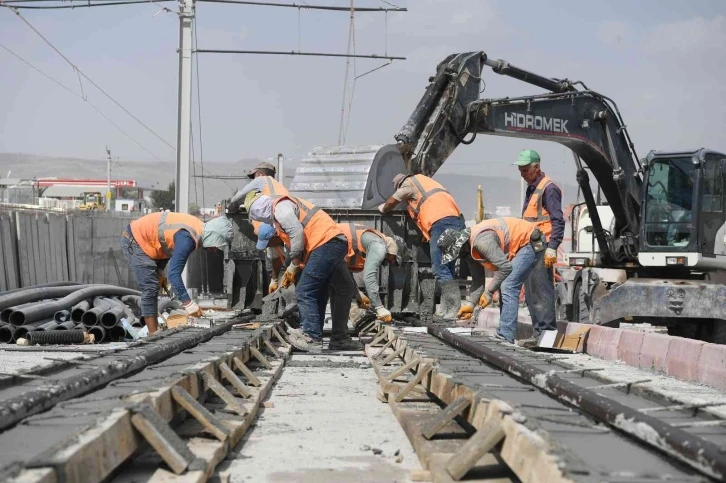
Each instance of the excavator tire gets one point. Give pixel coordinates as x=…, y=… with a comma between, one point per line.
x=580, y=310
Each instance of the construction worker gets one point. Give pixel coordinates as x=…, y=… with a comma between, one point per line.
x=316, y=241
x=370, y=249
x=510, y=247
x=263, y=181
x=434, y=210
x=543, y=207
x=275, y=255
x=157, y=238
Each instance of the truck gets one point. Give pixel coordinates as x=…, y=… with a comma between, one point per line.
x=92, y=201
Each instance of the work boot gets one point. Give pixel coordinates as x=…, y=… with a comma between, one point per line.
x=345, y=345
x=452, y=295
x=305, y=343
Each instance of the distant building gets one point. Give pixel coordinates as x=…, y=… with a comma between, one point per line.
x=17, y=191
x=68, y=191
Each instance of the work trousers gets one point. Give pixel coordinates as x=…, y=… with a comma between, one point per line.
x=539, y=292
x=443, y=273
x=522, y=265
x=144, y=268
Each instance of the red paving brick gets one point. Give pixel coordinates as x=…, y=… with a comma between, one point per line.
x=653, y=352
x=712, y=366
x=683, y=357
x=592, y=344
x=629, y=347
x=608, y=344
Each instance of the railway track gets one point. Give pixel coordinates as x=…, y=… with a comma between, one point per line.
x=474, y=406
x=166, y=410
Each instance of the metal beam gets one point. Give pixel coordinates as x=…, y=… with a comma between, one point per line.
x=294, y=52
x=309, y=7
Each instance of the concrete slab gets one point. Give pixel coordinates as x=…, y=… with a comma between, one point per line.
x=18, y=362
x=324, y=424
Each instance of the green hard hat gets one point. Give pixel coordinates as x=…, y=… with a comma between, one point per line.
x=528, y=156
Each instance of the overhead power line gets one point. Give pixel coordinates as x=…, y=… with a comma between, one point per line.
x=96, y=3
x=81, y=98
x=294, y=52
x=82, y=74
x=309, y=7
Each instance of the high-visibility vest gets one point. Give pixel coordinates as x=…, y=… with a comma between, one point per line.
x=273, y=188
x=318, y=227
x=513, y=234
x=432, y=203
x=356, y=253
x=535, y=210
x=155, y=232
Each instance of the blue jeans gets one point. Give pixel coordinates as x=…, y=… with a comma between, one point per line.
x=539, y=290
x=442, y=273
x=145, y=273
x=325, y=264
x=522, y=265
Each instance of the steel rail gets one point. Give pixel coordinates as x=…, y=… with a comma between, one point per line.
x=700, y=454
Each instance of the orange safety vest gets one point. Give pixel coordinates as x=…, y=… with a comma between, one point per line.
x=432, y=203
x=513, y=233
x=536, y=212
x=356, y=255
x=318, y=227
x=273, y=188
x=155, y=232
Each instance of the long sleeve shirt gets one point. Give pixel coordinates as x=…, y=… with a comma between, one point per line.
x=287, y=215
x=487, y=244
x=255, y=185
x=552, y=202
x=375, y=250
x=184, y=245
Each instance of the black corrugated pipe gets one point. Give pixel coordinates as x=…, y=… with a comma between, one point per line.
x=62, y=316
x=67, y=325
x=6, y=333
x=57, y=337
x=78, y=310
x=93, y=316
x=35, y=294
x=39, y=311
x=40, y=285
x=98, y=332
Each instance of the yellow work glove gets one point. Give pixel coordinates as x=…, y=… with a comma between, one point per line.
x=485, y=299
x=363, y=301
x=273, y=285
x=192, y=309
x=466, y=311
x=383, y=314
x=288, y=278
x=550, y=257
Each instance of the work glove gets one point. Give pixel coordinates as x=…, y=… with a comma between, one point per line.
x=485, y=300
x=383, y=314
x=273, y=286
x=381, y=207
x=466, y=311
x=192, y=309
x=550, y=257
x=363, y=301
x=288, y=278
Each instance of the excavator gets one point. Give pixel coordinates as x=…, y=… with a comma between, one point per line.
x=651, y=239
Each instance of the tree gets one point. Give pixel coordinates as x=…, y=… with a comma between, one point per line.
x=194, y=209
x=164, y=199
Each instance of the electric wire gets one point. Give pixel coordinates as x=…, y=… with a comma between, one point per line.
x=81, y=73
x=95, y=3
x=84, y=99
x=308, y=6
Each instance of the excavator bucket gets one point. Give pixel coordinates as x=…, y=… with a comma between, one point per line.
x=348, y=177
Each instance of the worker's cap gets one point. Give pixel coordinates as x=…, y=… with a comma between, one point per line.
x=217, y=233
x=264, y=235
x=527, y=157
x=395, y=246
x=263, y=165
x=450, y=243
x=250, y=198
x=398, y=180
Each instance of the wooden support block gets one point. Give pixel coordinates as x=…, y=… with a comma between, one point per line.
x=402, y=370
x=162, y=438
x=422, y=372
x=378, y=339
x=388, y=344
x=445, y=417
x=239, y=386
x=272, y=349
x=367, y=328
x=251, y=378
x=421, y=475
x=224, y=394
x=258, y=355
x=35, y=475
x=279, y=337
x=199, y=412
x=394, y=354
x=478, y=445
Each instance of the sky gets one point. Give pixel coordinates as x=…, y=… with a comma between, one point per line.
x=663, y=62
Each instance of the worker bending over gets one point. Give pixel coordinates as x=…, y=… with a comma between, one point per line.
x=157, y=238
x=543, y=207
x=370, y=249
x=509, y=247
x=434, y=210
x=313, y=239
x=263, y=181
x=275, y=252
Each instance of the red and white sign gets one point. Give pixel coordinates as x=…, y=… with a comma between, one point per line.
x=116, y=183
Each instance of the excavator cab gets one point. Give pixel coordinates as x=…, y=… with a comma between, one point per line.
x=684, y=210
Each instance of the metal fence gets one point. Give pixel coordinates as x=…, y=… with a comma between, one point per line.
x=40, y=247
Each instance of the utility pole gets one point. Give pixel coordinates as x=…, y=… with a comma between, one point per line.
x=186, y=16
x=281, y=168
x=108, y=179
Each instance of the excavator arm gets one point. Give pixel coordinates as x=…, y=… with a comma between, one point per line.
x=584, y=121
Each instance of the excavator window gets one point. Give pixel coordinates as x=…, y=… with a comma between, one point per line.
x=669, y=202
x=712, y=216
